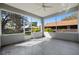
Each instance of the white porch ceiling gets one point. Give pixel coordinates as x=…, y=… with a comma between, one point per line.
x=37, y=9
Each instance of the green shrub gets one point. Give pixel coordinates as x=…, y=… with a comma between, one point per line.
x=10, y=31
x=28, y=33
x=35, y=29
x=49, y=30
x=61, y=27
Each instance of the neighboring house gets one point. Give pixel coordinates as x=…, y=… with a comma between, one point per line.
x=69, y=24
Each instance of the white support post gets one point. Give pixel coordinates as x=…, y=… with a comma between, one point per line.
x=68, y=28
x=56, y=24
x=42, y=27
x=77, y=14
x=31, y=27
x=0, y=23
x=24, y=27
x=78, y=19
x=0, y=29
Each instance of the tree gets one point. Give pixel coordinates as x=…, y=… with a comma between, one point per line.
x=5, y=19
x=7, y=16
x=34, y=23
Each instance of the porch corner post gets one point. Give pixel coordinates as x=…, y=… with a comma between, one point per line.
x=0, y=23
x=78, y=19
x=42, y=26
x=0, y=28
x=24, y=27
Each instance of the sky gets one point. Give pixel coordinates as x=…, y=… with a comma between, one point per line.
x=57, y=18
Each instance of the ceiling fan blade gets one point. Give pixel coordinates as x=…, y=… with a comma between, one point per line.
x=48, y=6
x=44, y=9
x=45, y=6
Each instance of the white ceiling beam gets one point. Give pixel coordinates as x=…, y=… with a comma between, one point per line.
x=16, y=10
x=76, y=8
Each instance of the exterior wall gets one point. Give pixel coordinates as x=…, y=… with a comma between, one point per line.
x=78, y=36
x=64, y=36
x=36, y=34
x=13, y=38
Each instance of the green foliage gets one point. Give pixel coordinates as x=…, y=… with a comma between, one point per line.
x=34, y=23
x=8, y=31
x=28, y=33
x=61, y=27
x=49, y=30
x=11, y=31
x=35, y=29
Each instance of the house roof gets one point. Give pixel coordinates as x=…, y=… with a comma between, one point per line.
x=63, y=23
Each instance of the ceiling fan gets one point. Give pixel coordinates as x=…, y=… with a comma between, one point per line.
x=44, y=6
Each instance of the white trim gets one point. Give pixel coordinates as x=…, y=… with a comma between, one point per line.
x=42, y=26
x=78, y=21
x=13, y=34
x=13, y=12
x=0, y=23
x=31, y=27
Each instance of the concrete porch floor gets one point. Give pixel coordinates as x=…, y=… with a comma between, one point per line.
x=42, y=46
